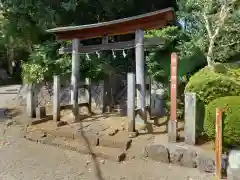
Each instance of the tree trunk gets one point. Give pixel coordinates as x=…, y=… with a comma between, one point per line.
x=210, y=53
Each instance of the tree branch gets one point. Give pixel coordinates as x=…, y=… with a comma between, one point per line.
x=207, y=25
x=222, y=16
x=230, y=44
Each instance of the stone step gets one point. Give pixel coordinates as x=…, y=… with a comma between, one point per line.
x=71, y=133
x=120, y=140
x=113, y=154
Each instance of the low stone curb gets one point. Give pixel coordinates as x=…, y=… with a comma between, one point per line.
x=42, y=120
x=186, y=156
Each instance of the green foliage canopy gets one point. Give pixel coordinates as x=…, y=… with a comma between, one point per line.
x=231, y=119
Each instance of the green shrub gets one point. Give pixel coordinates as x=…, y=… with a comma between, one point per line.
x=231, y=119
x=209, y=85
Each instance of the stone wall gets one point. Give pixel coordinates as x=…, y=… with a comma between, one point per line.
x=44, y=93
x=157, y=100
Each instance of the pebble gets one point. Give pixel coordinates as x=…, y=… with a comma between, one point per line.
x=102, y=161
x=112, y=132
x=132, y=134
x=87, y=163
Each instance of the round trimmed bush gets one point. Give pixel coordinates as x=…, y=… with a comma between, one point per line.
x=231, y=119
x=209, y=85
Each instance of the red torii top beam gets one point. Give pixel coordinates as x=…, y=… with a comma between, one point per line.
x=153, y=20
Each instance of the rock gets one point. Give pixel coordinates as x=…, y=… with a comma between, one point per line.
x=9, y=122
x=189, y=159
x=123, y=127
x=206, y=162
x=132, y=157
x=121, y=157
x=233, y=174
x=36, y=136
x=234, y=159
x=112, y=132
x=133, y=134
x=102, y=161
x=145, y=128
x=61, y=123
x=233, y=171
x=184, y=157
x=176, y=155
x=157, y=152
x=87, y=163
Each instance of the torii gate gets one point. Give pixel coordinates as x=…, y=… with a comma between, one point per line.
x=137, y=25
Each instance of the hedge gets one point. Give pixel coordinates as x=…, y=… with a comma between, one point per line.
x=209, y=85
x=231, y=119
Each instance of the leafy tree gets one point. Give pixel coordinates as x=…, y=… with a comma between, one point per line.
x=27, y=20
x=212, y=26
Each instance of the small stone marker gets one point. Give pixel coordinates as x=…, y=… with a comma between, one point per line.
x=131, y=102
x=41, y=112
x=190, y=118
x=31, y=101
x=56, y=98
x=233, y=171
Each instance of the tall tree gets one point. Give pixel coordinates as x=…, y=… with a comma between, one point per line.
x=213, y=26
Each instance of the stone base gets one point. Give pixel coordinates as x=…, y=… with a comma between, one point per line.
x=233, y=171
x=233, y=174
x=138, y=120
x=181, y=154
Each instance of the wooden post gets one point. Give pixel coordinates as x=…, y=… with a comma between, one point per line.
x=31, y=101
x=56, y=98
x=88, y=94
x=218, y=144
x=148, y=96
x=172, y=124
x=75, y=76
x=106, y=95
x=41, y=112
x=140, y=76
x=190, y=118
x=131, y=101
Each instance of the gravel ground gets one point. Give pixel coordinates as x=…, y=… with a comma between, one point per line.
x=21, y=159
x=24, y=160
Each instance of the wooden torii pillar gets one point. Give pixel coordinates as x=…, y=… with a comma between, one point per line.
x=140, y=77
x=75, y=77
